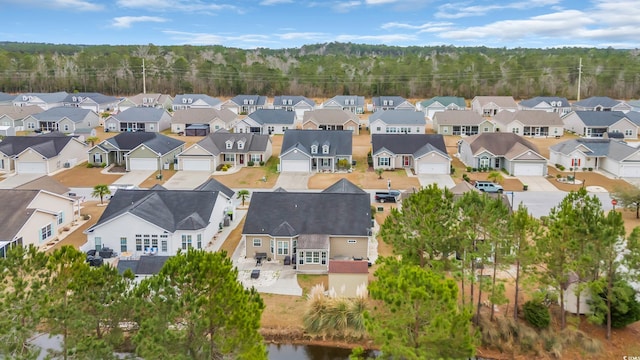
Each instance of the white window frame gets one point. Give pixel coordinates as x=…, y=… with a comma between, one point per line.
x=314, y=149
x=283, y=247
x=325, y=149
x=123, y=244
x=384, y=161
x=46, y=231
x=229, y=157
x=257, y=242
x=187, y=241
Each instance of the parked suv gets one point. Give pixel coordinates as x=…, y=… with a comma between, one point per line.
x=488, y=186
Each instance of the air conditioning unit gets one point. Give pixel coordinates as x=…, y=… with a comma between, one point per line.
x=67, y=165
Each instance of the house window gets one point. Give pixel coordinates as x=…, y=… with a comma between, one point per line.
x=515, y=130
x=257, y=242
x=283, y=248
x=325, y=162
x=384, y=161
x=484, y=162
x=445, y=130
x=138, y=242
x=418, y=130
x=111, y=126
x=123, y=244
x=31, y=125
x=98, y=243
x=186, y=242
x=325, y=149
x=301, y=258
x=199, y=241
x=229, y=157
x=97, y=158
x=229, y=144
x=352, y=241
x=60, y=217
x=256, y=158
x=154, y=241
x=628, y=132
x=485, y=129
x=378, y=128
x=163, y=243
x=272, y=246
x=314, y=149
x=314, y=257
x=45, y=232
x=240, y=144
x=66, y=127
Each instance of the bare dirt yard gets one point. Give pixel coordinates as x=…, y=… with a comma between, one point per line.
x=81, y=176
x=77, y=238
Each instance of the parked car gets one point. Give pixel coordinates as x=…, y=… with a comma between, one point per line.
x=489, y=187
x=387, y=196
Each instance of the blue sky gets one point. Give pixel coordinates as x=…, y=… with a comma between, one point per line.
x=280, y=24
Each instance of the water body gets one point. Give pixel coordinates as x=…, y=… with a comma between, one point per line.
x=310, y=352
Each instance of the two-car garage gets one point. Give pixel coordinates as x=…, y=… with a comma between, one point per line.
x=31, y=167
x=294, y=165
x=529, y=169
x=190, y=164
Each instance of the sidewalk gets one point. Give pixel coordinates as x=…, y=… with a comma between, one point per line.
x=221, y=237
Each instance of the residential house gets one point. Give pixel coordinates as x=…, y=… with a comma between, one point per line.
x=160, y=101
x=331, y=119
x=611, y=155
x=43, y=154
x=142, y=267
x=502, y=150
x=139, y=119
x=463, y=122
x=422, y=153
x=383, y=103
x=214, y=185
x=267, y=121
x=348, y=278
x=200, y=122
x=441, y=103
x=298, y=104
x=594, y=124
x=553, y=104
x=635, y=105
x=223, y=147
x=44, y=100
x=529, y=123
x=97, y=102
x=158, y=222
x=6, y=99
x=195, y=101
x=33, y=217
x=601, y=103
x=47, y=183
x=137, y=151
x=11, y=118
x=63, y=119
x=397, y=121
x=351, y=103
x=310, y=228
x=491, y=105
x=316, y=151
x=245, y=104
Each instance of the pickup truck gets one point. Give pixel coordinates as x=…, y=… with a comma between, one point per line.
x=387, y=196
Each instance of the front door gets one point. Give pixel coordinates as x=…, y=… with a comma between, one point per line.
x=406, y=161
x=463, y=130
x=241, y=159
x=536, y=131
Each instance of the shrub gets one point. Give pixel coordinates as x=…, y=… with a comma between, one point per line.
x=466, y=178
x=625, y=309
x=590, y=169
x=250, y=163
x=584, y=169
x=103, y=165
x=469, y=168
x=261, y=163
x=474, y=169
x=537, y=314
x=86, y=217
x=89, y=165
x=452, y=170
x=558, y=176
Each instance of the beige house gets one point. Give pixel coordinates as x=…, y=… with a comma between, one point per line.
x=462, y=122
x=530, y=123
x=202, y=121
x=137, y=151
x=488, y=106
x=154, y=100
x=331, y=119
x=348, y=278
x=44, y=154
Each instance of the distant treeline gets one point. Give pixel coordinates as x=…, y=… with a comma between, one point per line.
x=320, y=71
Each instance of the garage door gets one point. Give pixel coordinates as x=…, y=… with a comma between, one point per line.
x=196, y=165
x=630, y=171
x=294, y=166
x=528, y=170
x=31, y=168
x=426, y=168
x=143, y=164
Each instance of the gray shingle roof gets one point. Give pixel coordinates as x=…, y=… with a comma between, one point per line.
x=4, y=97
x=202, y=116
x=98, y=98
x=528, y=117
x=273, y=116
x=531, y=103
x=283, y=100
x=399, y=117
x=46, y=97
x=215, y=185
x=14, y=212
x=408, y=143
x=257, y=99
x=378, y=101
x=19, y=112
x=47, y=146
x=47, y=183
x=458, y=117
x=330, y=116
x=74, y=114
x=339, y=140
x=146, y=265
x=594, y=101
x=309, y=213
x=215, y=143
x=599, y=118
x=499, y=144
x=178, y=100
x=610, y=148
x=340, y=99
x=343, y=186
x=141, y=114
x=169, y=209
x=157, y=142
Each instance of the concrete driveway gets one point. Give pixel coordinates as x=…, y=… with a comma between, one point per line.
x=293, y=180
x=440, y=180
x=187, y=180
x=16, y=180
x=538, y=183
x=135, y=177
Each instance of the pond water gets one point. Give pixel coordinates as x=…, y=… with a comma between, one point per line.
x=309, y=352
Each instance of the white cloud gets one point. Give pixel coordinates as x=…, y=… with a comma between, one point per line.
x=424, y=27
x=465, y=9
x=190, y=38
x=381, y=39
x=345, y=6
x=275, y=2
x=126, y=21
x=302, y=36
x=378, y=2
x=176, y=5
x=79, y=5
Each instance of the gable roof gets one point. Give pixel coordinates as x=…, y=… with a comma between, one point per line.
x=214, y=185
x=184, y=99
x=251, y=99
x=611, y=148
x=74, y=114
x=500, y=144
x=528, y=117
x=378, y=101
x=322, y=213
x=47, y=146
x=416, y=144
x=146, y=265
x=273, y=116
x=19, y=112
x=549, y=100
x=48, y=98
x=4, y=97
x=594, y=101
x=98, y=98
x=330, y=116
x=159, y=143
x=339, y=140
x=343, y=186
x=157, y=98
x=458, y=117
x=141, y=114
x=47, y=183
x=215, y=142
x=283, y=100
x=445, y=101
x=399, y=117
x=600, y=118
x=340, y=99
x=501, y=101
x=170, y=210
x=14, y=212
x=202, y=116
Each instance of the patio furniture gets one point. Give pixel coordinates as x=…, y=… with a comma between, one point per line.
x=255, y=273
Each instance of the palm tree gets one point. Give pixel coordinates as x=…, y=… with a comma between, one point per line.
x=100, y=191
x=93, y=140
x=243, y=194
x=379, y=171
x=495, y=176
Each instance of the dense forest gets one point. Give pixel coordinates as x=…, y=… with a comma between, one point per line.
x=321, y=70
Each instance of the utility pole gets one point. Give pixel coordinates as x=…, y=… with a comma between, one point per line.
x=579, y=78
x=144, y=79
